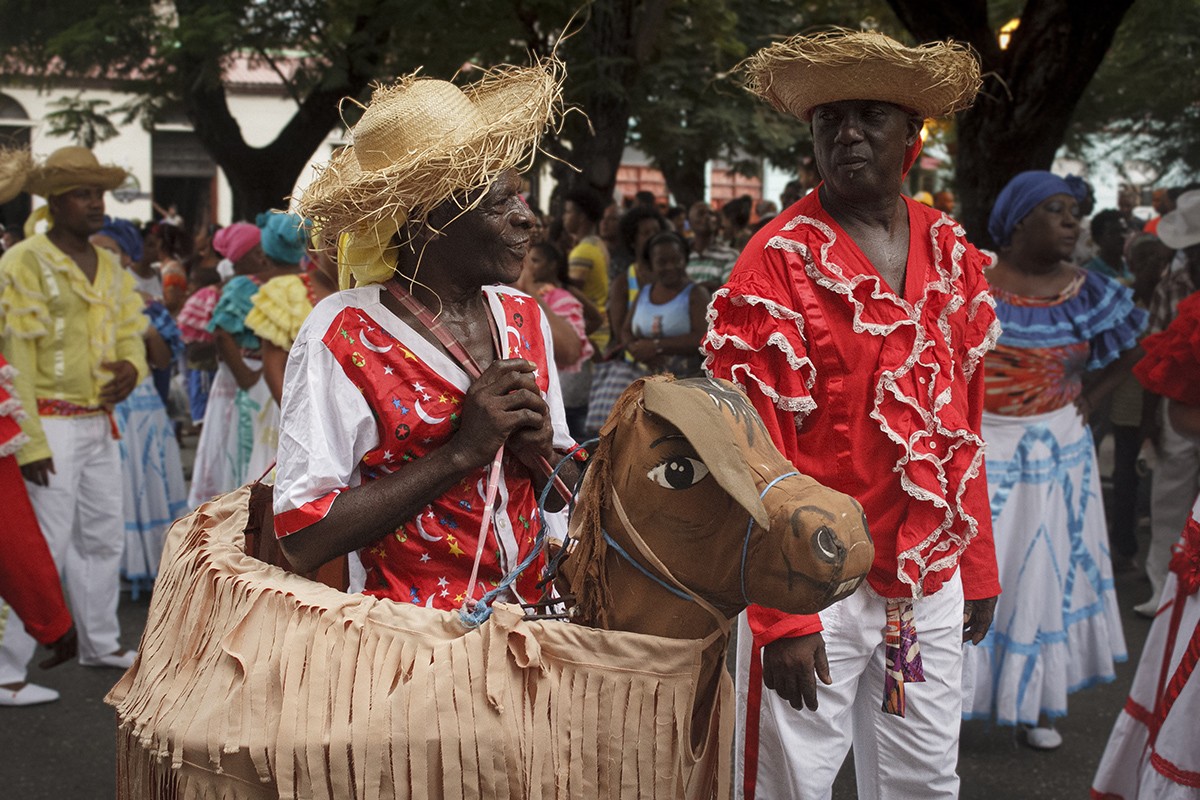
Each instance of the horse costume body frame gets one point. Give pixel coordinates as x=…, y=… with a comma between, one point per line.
x=252, y=682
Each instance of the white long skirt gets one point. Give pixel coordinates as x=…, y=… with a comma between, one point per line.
x=1167, y=765
x=224, y=453
x=1057, y=628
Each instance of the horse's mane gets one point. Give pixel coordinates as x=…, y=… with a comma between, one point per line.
x=585, y=568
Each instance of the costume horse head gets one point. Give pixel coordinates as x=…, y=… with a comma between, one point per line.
x=689, y=513
x=255, y=683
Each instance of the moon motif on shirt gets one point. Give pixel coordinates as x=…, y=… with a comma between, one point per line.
x=425, y=416
x=421, y=531
x=362, y=335
x=509, y=330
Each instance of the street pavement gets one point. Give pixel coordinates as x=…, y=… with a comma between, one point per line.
x=67, y=748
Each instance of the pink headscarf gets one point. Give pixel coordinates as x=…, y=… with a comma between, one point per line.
x=235, y=240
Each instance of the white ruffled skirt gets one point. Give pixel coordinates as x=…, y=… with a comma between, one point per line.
x=1057, y=627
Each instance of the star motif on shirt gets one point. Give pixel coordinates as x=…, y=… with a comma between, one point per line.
x=519, y=300
x=453, y=401
x=445, y=592
x=427, y=440
x=424, y=557
x=429, y=512
x=396, y=402
x=442, y=582
x=387, y=370
x=458, y=598
x=443, y=399
x=345, y=335
x=455, y=550
x=387, y=455
x=408, y=354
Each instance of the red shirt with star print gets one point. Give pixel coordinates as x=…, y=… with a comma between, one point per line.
x=364, y=395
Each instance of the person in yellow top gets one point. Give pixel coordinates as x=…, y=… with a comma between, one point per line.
x=587, y=263
x=71, y=323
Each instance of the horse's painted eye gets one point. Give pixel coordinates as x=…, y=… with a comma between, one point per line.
x=678, y=472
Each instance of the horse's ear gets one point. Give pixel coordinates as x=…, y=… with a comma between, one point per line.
x=714, y=436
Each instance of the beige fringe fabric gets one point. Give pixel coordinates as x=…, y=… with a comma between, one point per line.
x=254, y=683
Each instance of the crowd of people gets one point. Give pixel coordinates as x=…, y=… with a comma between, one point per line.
x=957, y=394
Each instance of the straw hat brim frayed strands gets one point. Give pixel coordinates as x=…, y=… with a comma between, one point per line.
x=14, y=169
x=420, y=143
x=69, y=167
x=803, y=72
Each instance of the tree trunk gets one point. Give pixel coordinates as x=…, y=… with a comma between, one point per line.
x=1030, y=92
x=263, y=178
x=617, y=41
x=685, y=182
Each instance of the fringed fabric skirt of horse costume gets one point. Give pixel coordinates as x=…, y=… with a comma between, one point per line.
x=1057, y=627
x=253, y=683
x=1153, y=752
x=155, y=492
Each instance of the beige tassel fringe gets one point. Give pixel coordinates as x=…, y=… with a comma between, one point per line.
x=253, y=683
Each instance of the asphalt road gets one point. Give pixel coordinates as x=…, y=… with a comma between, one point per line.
x=66, y=749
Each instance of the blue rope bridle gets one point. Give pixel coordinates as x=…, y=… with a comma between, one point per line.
x=483, y=609
x=680, y=593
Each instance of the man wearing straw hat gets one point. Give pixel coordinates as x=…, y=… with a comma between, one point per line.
x=72, y=326
x=856, y=321
x=401, y=392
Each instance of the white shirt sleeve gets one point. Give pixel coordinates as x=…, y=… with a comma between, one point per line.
x=325, y=429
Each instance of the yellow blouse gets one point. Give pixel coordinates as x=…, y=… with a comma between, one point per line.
x=57, y=329
x=279, y=309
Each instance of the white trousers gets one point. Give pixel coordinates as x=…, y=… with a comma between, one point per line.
x=799, y=753
x=1172, y=492
x=82, y=518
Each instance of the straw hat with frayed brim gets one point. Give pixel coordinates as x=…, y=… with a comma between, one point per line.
x=803, y=72
x=69, y=167
x=421, y=142
x=14, y=169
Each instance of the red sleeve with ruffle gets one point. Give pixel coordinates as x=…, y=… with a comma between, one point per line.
x=756, y=340
x=977, y=564
x=1172, y=359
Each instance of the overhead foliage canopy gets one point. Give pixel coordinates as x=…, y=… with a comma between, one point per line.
x=652, y=72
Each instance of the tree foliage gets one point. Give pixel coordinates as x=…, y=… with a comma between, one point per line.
x=662, y=64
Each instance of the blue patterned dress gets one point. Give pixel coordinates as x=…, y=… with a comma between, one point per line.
x=1057, y=627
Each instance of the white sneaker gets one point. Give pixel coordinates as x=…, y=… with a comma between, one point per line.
x=121, y=660
x=28, y=695
x=1043, y=738
x=1148, y=609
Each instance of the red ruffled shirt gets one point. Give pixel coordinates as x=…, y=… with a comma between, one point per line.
x=872, y=394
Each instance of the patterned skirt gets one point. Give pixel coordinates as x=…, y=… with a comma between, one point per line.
x=1057, y=627
x=155, y=492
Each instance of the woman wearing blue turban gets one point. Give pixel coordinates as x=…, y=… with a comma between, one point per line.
x=1069, y=336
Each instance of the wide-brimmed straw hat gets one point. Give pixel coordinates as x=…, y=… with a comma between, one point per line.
x=14, y=169
x=1181, y=228
x=68, y=167
x=421, y=142
x=806, y=71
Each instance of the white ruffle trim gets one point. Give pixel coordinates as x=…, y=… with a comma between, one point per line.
x=800, y=406
x=13, y=445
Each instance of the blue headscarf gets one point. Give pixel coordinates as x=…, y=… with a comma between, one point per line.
x=284, y=236
x=1023, y=194
x=125, y=234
